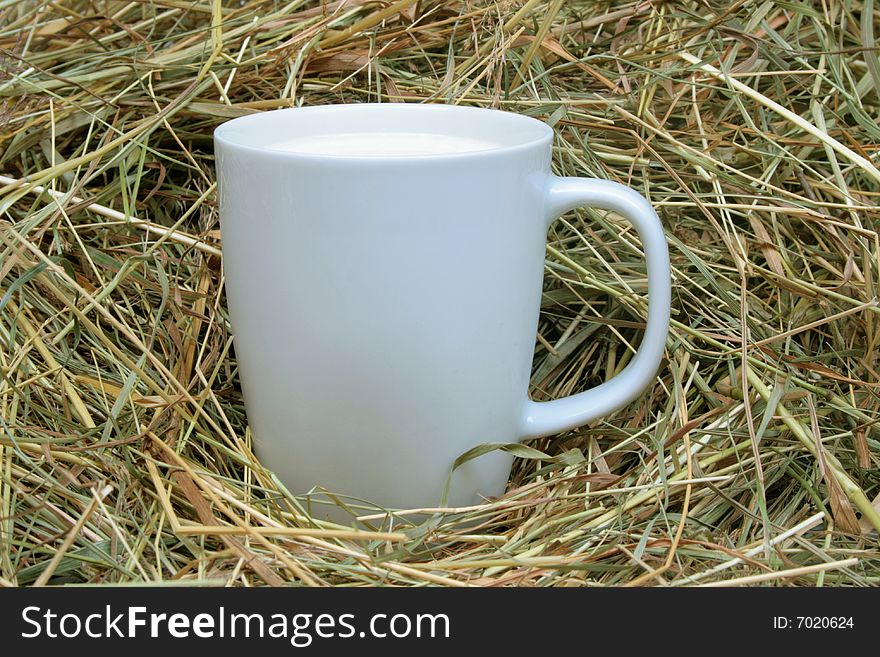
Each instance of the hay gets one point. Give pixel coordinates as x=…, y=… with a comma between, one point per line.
x=124, y=452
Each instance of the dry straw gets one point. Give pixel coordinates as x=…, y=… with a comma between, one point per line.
x=752, y=127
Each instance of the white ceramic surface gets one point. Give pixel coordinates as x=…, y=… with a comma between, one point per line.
x=385, y=304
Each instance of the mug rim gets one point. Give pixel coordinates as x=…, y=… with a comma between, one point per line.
x=512, y=132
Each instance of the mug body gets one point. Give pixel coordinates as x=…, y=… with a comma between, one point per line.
x=384, y=306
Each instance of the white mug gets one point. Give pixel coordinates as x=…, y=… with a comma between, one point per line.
x=383, y=267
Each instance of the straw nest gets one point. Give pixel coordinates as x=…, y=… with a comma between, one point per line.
x=752, y=127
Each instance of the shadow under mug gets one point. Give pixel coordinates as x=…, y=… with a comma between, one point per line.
x=385, y=304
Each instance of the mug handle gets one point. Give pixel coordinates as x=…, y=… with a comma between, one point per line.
x=564, y=194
